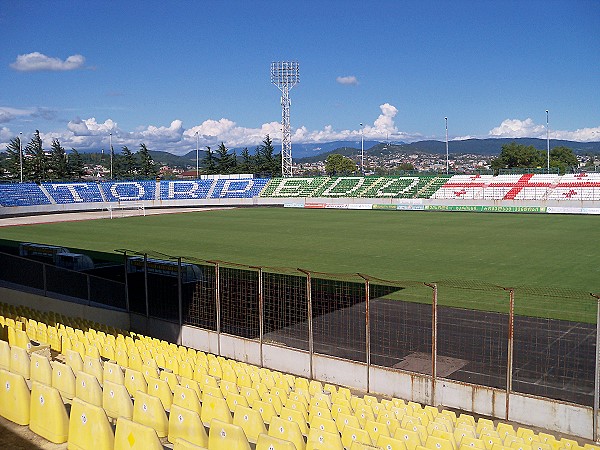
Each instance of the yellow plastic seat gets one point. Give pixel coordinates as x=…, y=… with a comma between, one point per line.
x=324, y=424
x=89, y=428
x=94, y=366
x=390, y=443
x=287, y=430
x=22, y=340
x=186, y=398
x=460, y=433
x=226, y=436
x=489, y=440
x=351, y=434
x=346, y=419
x=74, y=360
x=113, y=372
x=317, y=411
x=88, y=389
x=468, y=441
x=170, y=378
x=250, y=421
x=411, y=438
x=187, y=425
x=439, y=443
x=376, y=429
x=4, y=355
x=318, y=439
x=130, y=435
x=20, y=363
x=251, y=394
x=116, y=401
x=148, y=410
x=266, y=410
x=483, y=425
x=235, y=400
x=15, y=399
x=135, y=382
x=266, y=442
x=214, y=408
x=48, y=416
x=160, y=388
x=40, y=370
x=296, y=416
x=182, y=444
x=63, y=379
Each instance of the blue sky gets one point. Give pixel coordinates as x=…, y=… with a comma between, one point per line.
x=158, y=72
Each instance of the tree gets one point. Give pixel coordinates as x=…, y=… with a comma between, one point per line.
x=337, y=164
x=58, y=161
x=75, y=165
x=38, y=162
x=563, y=158
x=225, y=162
x=266, y=162
x=147, y=167
x=128, y=164
x=518, y=155
x=247, y=164
x=210, y=166
x=13, y=158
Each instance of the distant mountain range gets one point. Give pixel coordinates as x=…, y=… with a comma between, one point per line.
x=306, y=153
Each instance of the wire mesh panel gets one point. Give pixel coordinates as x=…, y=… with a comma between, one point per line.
x=238, y=289
x=199, y=302
x=163, y=299
x=472, y=333
x=400, y=324
x=107, y=292
x=66, y=282
x=339, y=316
x=285, y=319
x=21, y=271
x=555, y=344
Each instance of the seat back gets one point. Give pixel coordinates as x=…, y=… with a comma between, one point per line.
x=130, y=435
x=186, y=424
x=186, y=398
x=88, y=389
x=214, y=408
x=20, y=362
x=116, y=400
x=251, y=422
x=15, y=398
x=226, y=436
x=63, y=379
x=284, y=429
x=48, y=416
x=89, y=428
x=41, y=370
x=94, y=366
x=148, y=410
x=267, y=442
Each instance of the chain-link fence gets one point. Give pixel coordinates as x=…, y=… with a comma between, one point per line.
x=537, y=341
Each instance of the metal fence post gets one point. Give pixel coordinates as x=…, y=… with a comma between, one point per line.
x=179, y=300
x=597, y=367
x=367, y=329
x=311, y=347
x=261, y=314
x=44, y=280
x=218, y=307
x=146, y=284
x=89, y=288
x=509, y=363
x=126, y=282
x=434, y=300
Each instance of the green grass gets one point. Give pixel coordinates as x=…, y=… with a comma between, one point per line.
x=540, y=251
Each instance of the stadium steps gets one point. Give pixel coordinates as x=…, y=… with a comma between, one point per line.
x=265, y=408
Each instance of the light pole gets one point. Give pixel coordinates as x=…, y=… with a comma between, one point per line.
x=197, y=160
x=548, y=141
x=362, y=150
x=111, y=155
x=21, y=153
x=447, y=155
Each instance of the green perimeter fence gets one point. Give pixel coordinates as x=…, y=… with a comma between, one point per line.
x=520, y=339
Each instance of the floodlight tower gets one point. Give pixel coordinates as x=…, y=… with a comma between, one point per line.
x=285, y=75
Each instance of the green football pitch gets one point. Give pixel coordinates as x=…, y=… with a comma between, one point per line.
x=535, y=250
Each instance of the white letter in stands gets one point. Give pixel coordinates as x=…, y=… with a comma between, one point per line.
x=225, y=190
x=71, y=188
x=137, y=186
x=359, y=182
x=190, y=193
x=298, y=187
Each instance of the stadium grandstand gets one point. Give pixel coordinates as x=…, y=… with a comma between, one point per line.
x=526, y=189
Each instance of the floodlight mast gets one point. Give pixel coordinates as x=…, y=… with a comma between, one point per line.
x=285, y=75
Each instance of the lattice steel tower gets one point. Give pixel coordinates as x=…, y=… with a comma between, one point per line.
x=285, y=75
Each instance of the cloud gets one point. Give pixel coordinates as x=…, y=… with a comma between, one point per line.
x=515, y=128
x=90, y=127
x=7, y=114
x=350, y=80
x=36, y=61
